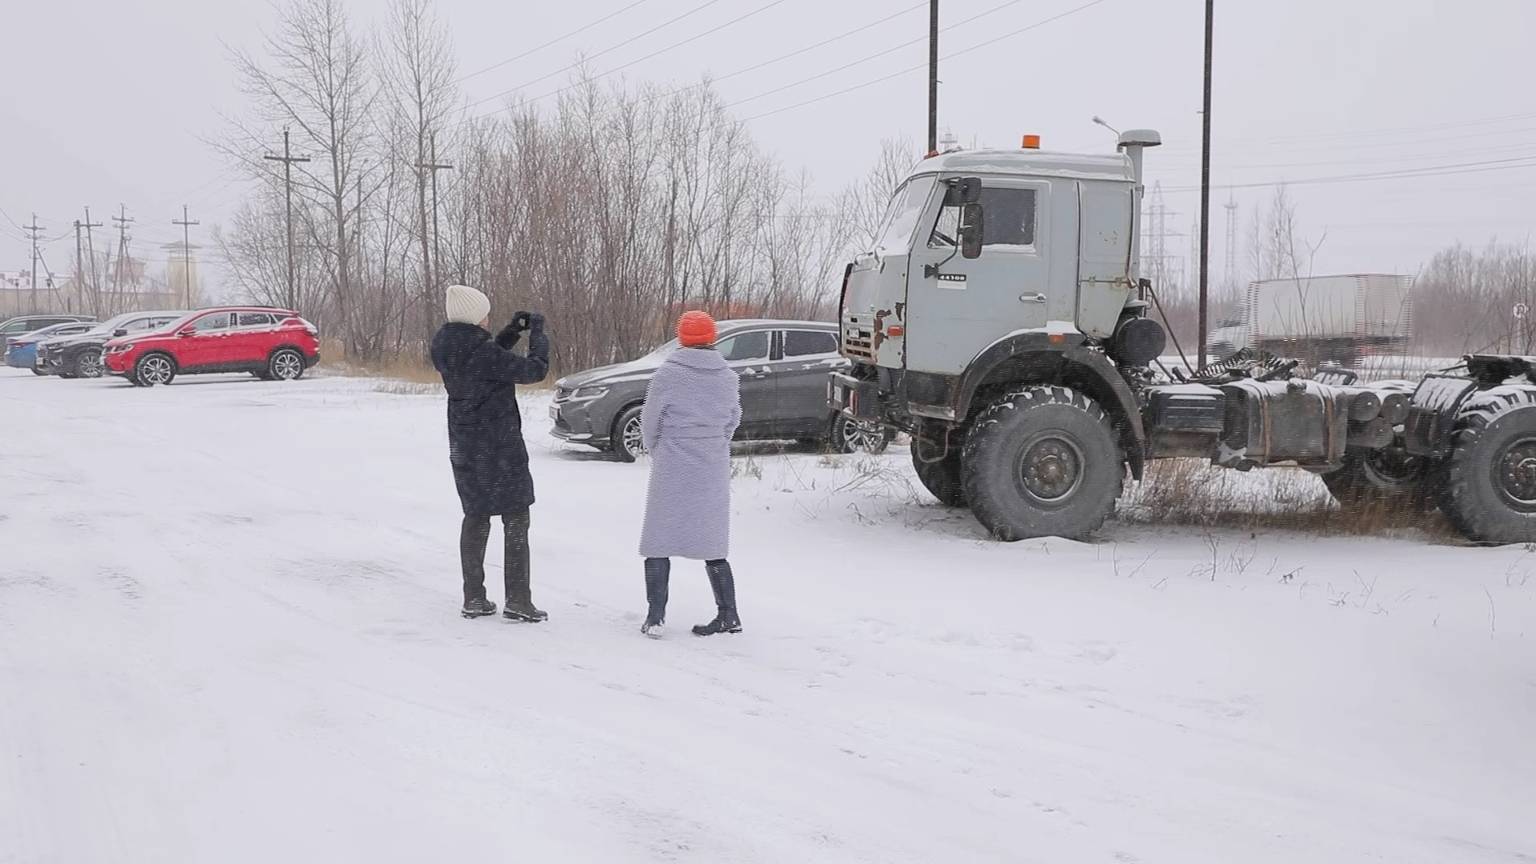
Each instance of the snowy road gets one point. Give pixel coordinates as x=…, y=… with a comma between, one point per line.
x=229, y=633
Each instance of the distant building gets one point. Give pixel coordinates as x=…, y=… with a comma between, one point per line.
x=182, y=278
x=56, y=292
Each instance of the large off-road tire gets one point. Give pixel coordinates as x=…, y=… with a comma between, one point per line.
x=1380, y=479
x=941, y=477
x=1490, y=477
x=1042, y=461
x=154, y=369
x=626, y=442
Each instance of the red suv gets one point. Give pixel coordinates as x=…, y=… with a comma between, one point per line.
x=272, y=344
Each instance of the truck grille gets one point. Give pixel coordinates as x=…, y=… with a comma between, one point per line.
x=858, y=339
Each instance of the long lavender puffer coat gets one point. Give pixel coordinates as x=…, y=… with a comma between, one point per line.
x=692, y=409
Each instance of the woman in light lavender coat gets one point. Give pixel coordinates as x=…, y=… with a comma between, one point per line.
x=692, y=409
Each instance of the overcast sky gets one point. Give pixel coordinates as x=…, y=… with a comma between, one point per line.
x=107, y=103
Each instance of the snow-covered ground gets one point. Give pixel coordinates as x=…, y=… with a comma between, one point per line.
x=229, y=632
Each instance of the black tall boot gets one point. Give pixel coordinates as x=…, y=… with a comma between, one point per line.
x=724, y=585
x=519, y=605
x=473, y=535
x=657, y=570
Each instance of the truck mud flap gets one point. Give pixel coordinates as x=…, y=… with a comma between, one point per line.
x=1432, y=415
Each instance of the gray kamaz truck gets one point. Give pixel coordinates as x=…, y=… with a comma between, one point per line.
x=1000, y=320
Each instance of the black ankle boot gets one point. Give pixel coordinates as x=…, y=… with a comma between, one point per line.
x=657, y=571
x=723, y=583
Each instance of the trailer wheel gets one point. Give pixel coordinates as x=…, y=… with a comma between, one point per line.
x=1042, y=461
x=1490, y=478
x=1378, y=478
x=942, y=477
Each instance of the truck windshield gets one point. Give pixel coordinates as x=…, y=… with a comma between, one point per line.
x=901, y=215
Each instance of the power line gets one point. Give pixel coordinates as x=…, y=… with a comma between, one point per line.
x=893, y=49
x=555, y=41
x=710, y=32
x=667, y=23
x=1401, y=173
x=912, y=69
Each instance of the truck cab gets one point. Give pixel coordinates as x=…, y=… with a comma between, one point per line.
x=1000, y=319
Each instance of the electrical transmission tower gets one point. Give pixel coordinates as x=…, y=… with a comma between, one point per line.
x=1162, y=264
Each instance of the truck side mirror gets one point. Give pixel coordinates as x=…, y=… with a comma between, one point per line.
x=962, y=191
x=971, y=220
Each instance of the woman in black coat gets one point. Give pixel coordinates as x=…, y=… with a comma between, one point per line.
x=485, y=440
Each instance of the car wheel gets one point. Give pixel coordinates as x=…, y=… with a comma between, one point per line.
x=628, y=441
x=285, y=365
x=88, y=364
x=850, y=436
x=37, y=371
x=154, y=369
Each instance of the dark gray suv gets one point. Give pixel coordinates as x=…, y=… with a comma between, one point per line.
x=783, y=367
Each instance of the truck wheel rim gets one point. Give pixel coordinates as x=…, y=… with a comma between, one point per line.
x=1515, y=474
x=157, y=370
x=1392, y=470
x=858, y=436
x=90, y=364
x=285, y=366
x=634, y=440
x=1050, y=469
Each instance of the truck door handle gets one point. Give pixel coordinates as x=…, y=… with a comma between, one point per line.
x=1031, y=298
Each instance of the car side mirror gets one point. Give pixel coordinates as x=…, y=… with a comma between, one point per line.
x=971, y=221
x=962, y=191
x=186, y=331
x=119, y=332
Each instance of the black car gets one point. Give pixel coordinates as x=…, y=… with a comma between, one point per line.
x=79, y=356
x=783, y=367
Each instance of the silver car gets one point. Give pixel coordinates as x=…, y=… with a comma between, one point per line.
x=783, y=367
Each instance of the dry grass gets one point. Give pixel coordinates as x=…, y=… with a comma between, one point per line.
x=401, y=375
x=1192, y=492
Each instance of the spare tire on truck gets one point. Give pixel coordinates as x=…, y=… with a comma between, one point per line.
x=1042, y=461
x=1490, y=477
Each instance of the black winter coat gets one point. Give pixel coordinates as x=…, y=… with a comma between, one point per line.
x=485, y=428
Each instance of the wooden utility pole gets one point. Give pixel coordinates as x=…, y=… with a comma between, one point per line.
x=933, y=77
x=186, y=253
x=34, y=231
x=288, y=159
x=122, y=220
x=434, y=166
x=80, y=288
x=90, y=249
x=1205, y=191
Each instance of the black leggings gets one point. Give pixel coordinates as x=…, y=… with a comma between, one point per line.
x=475, y=535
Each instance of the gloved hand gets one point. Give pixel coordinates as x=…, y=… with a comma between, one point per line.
x=519, y=321
x=535, y=321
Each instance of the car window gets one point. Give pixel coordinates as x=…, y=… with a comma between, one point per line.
x=744, y=346
x=807, y=343
x=158, y=323
x=75, y=328
x=255, y=319
x=212, y=323
x=15, y=327
x=1010, y=220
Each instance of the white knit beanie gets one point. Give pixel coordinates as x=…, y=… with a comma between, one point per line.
x=467, y=305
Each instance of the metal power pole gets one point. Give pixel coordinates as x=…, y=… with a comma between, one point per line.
x=292, y=300
x=186, y=252
x=933, y=77
x=1205, y=188
x=434, y=166
x=34, y=231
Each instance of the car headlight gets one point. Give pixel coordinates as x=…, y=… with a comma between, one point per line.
x=587, y=394
x=121, y=349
